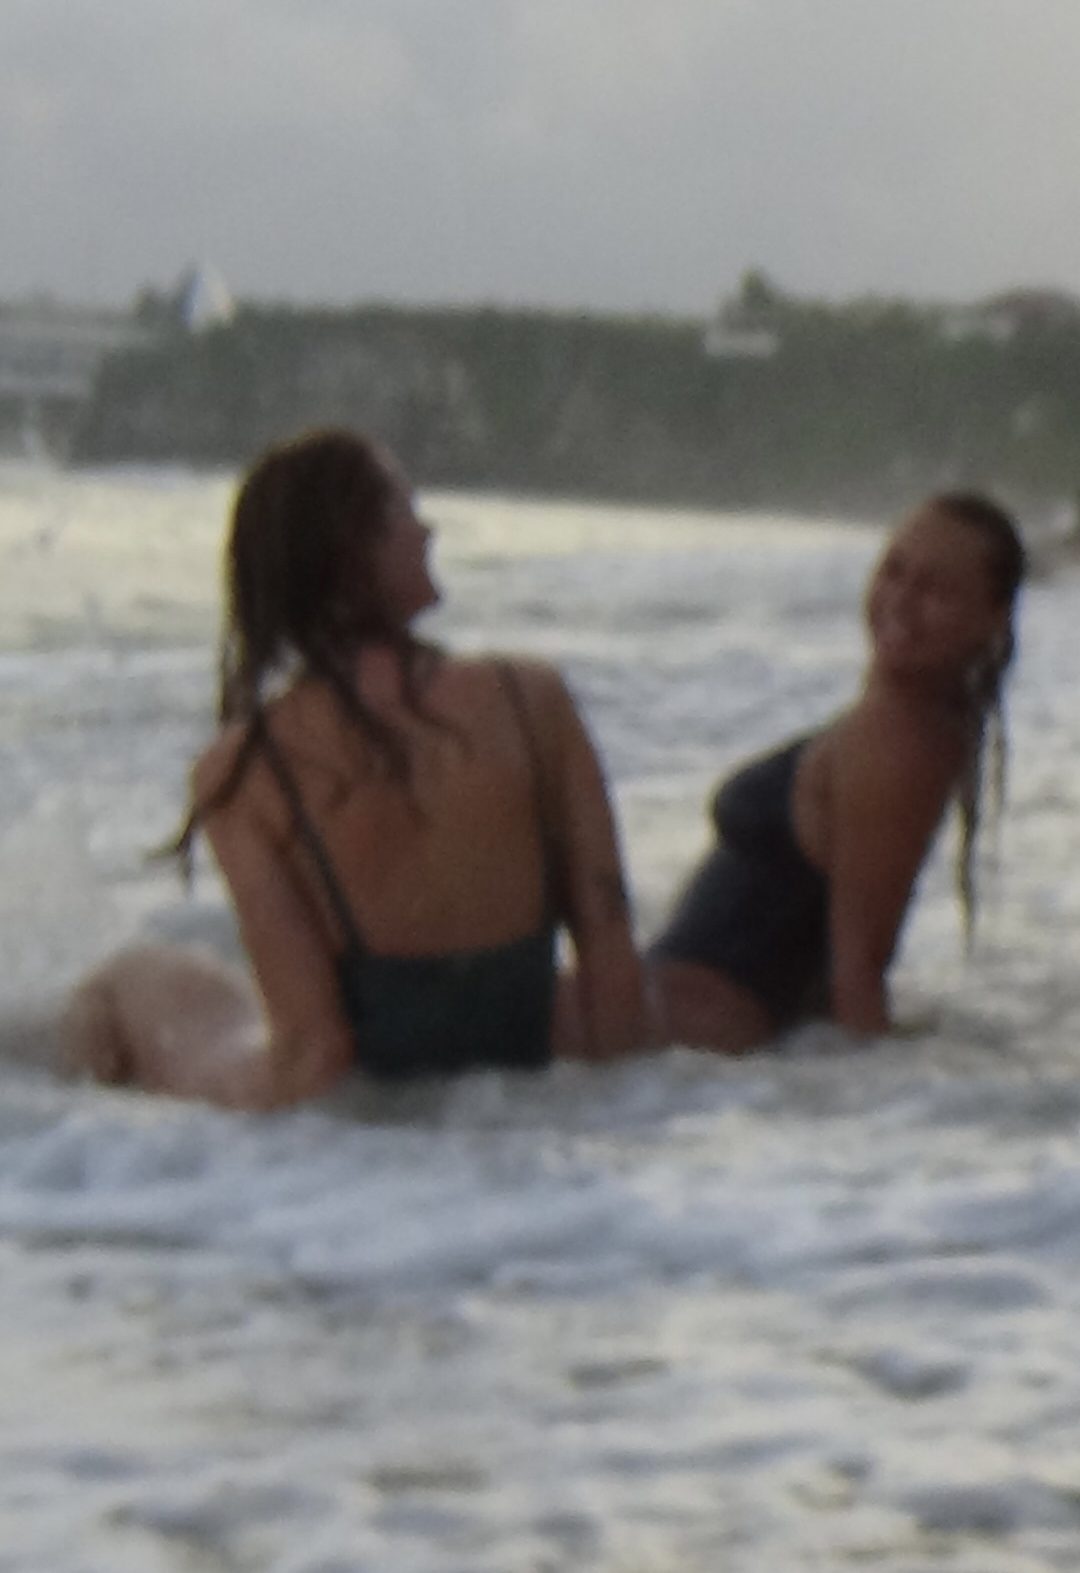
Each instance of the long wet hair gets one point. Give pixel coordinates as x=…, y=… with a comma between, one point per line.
x=301, y=594
x=987, y=756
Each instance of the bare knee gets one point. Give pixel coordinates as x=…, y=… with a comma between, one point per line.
x=92, y=1038
x=153, y=1013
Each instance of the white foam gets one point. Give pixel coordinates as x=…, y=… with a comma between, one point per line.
x=817, y=1308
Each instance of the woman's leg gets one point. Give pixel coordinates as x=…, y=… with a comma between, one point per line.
x=687, y=1003
x=705, y=1009
x=169, y=1018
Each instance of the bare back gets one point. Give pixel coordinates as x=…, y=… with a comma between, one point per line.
x=452, y=861
x=423, y=866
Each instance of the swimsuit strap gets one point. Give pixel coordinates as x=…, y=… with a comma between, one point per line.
x=549, y=845
x=308, y=834
x=511, y=685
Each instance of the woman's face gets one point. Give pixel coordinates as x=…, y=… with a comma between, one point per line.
x=400, y=558
x=930, y=606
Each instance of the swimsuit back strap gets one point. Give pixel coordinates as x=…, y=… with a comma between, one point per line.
x=308, y=834
x=549, y=844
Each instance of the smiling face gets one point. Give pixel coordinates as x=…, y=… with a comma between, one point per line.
x=932, y=605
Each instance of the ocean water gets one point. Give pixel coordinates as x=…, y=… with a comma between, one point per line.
x=814, y=1309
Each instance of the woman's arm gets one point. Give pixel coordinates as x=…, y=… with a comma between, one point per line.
x=310, y=1045
x=889, y=784
x=609, y=987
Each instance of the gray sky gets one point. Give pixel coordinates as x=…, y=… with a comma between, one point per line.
x=617, y=154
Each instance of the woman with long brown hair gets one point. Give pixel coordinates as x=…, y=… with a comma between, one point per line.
x=402, y=831
x=798, y=909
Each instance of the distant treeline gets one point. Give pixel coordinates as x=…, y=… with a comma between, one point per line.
x=848, y=408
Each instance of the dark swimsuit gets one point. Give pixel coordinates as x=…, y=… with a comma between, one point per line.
x=756, y=909
x=440, y=1015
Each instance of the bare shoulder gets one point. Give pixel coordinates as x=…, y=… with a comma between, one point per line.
x=897, y=746
x=540, y=684
x=537, y=676
x=214, y=766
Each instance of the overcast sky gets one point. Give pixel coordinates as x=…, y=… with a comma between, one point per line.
x=616, y=154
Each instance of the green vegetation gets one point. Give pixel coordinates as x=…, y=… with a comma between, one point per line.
x=853, y=408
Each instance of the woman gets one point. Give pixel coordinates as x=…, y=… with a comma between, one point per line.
x=799, y=908
x=401, y=831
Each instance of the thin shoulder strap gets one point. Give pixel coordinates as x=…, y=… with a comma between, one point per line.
x=308, y=834
x=549, y=849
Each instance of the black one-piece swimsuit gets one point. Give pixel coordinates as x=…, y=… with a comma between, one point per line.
x=756, y=908
x=441, y=1015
